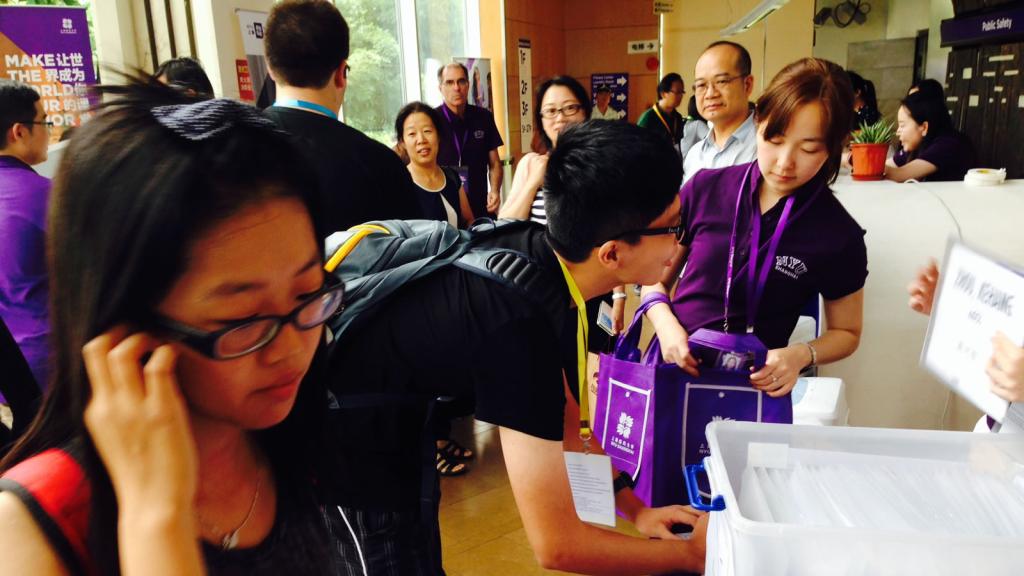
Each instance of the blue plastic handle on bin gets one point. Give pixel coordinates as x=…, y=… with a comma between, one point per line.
x=717, y=502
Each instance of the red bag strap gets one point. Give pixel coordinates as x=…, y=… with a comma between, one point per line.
x=54, y=487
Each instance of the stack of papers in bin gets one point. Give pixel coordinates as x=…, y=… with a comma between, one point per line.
x=831, y=489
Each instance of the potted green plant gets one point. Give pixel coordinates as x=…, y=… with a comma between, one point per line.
x=869, y=149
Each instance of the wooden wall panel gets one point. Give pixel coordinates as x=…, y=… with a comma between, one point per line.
x=579, y=38
x=542, y=22
x=596, y=35
x=608, y=13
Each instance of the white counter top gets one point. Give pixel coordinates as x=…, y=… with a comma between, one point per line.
x=906, y=225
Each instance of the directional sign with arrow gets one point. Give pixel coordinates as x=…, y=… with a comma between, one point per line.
x=642, y=46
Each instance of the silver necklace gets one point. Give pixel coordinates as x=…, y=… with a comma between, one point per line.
x=230, y=540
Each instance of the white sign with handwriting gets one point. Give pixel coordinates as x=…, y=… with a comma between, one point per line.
x=977, y=297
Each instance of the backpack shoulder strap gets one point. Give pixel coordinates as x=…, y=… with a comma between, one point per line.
x=374, y=260
x=516, y=270
x=54, y=488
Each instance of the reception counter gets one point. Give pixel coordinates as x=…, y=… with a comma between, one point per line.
x=906, y=225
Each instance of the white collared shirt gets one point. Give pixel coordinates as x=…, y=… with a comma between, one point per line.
x=740, y=148
x=609, y=114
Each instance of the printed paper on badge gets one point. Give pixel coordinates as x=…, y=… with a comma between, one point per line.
x=590, y=478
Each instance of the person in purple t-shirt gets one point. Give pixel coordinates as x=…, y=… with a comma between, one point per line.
x=934, y=150
x=781, y=206
x=24, y=195
x=928, y=88
x=471, y=147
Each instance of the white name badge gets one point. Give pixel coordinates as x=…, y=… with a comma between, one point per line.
x=604, y=318
x=590, y=478
x=977, y=296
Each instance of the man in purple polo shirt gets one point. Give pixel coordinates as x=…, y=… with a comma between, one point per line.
x=24, y=195
x=471, y=143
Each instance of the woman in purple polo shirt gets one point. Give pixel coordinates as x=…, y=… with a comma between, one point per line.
x=781, y=208
x=932, y=149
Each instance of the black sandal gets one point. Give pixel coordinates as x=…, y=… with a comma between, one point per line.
x=452, y=450
x=448, y=468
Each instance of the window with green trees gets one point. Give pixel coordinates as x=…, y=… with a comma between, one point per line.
x=382, y=43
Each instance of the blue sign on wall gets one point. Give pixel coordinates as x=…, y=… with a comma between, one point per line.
x=995, y=26
x=618, y=83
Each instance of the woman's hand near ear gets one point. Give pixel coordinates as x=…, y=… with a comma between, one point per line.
x=139, y=424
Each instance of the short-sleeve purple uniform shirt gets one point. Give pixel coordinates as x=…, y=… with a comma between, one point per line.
x=951, y=155
x=474, y=135
x=24, y=196
x=821, y=251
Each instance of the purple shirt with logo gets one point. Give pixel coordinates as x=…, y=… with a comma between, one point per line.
x=24, y=196
x=952, y=155
x=468, y=141
x=822, y=251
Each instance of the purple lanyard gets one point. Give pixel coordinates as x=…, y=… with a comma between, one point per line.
x=754, y=290
x=465, y=135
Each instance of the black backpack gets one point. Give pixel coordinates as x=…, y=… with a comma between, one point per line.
x=374, y=260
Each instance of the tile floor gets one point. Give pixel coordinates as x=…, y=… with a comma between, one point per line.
x=481, y=533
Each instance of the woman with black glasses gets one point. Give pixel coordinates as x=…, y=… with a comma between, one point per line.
x=561, y=102
x=180, y=434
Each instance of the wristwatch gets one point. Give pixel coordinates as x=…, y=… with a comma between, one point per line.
x=622, y=481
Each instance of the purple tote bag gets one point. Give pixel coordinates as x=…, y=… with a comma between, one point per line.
x=650, y=416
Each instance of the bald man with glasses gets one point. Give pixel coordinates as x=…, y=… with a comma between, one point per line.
x=723, y=85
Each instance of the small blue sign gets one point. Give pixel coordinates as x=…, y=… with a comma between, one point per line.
x=618, y=83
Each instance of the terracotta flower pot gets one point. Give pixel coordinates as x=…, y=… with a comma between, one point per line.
x=869, y=161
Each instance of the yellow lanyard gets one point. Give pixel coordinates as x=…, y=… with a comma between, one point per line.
x=582, y=336
x=663, y=123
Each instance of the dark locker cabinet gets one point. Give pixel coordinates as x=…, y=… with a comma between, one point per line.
x=961, y=67
x=1002, y=107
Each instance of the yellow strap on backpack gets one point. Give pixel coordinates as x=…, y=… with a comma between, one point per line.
x=359, y=232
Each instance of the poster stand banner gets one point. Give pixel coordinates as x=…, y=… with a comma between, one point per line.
x=256, y=76
x=481, y=92
x=49, y=49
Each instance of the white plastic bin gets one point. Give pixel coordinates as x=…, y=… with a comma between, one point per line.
x=741, y=542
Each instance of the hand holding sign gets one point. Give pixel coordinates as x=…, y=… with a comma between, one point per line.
x=977, y=299
x=922, y=289
x=1006, y=369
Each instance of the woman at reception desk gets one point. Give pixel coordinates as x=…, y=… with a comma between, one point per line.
x=934, y=150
